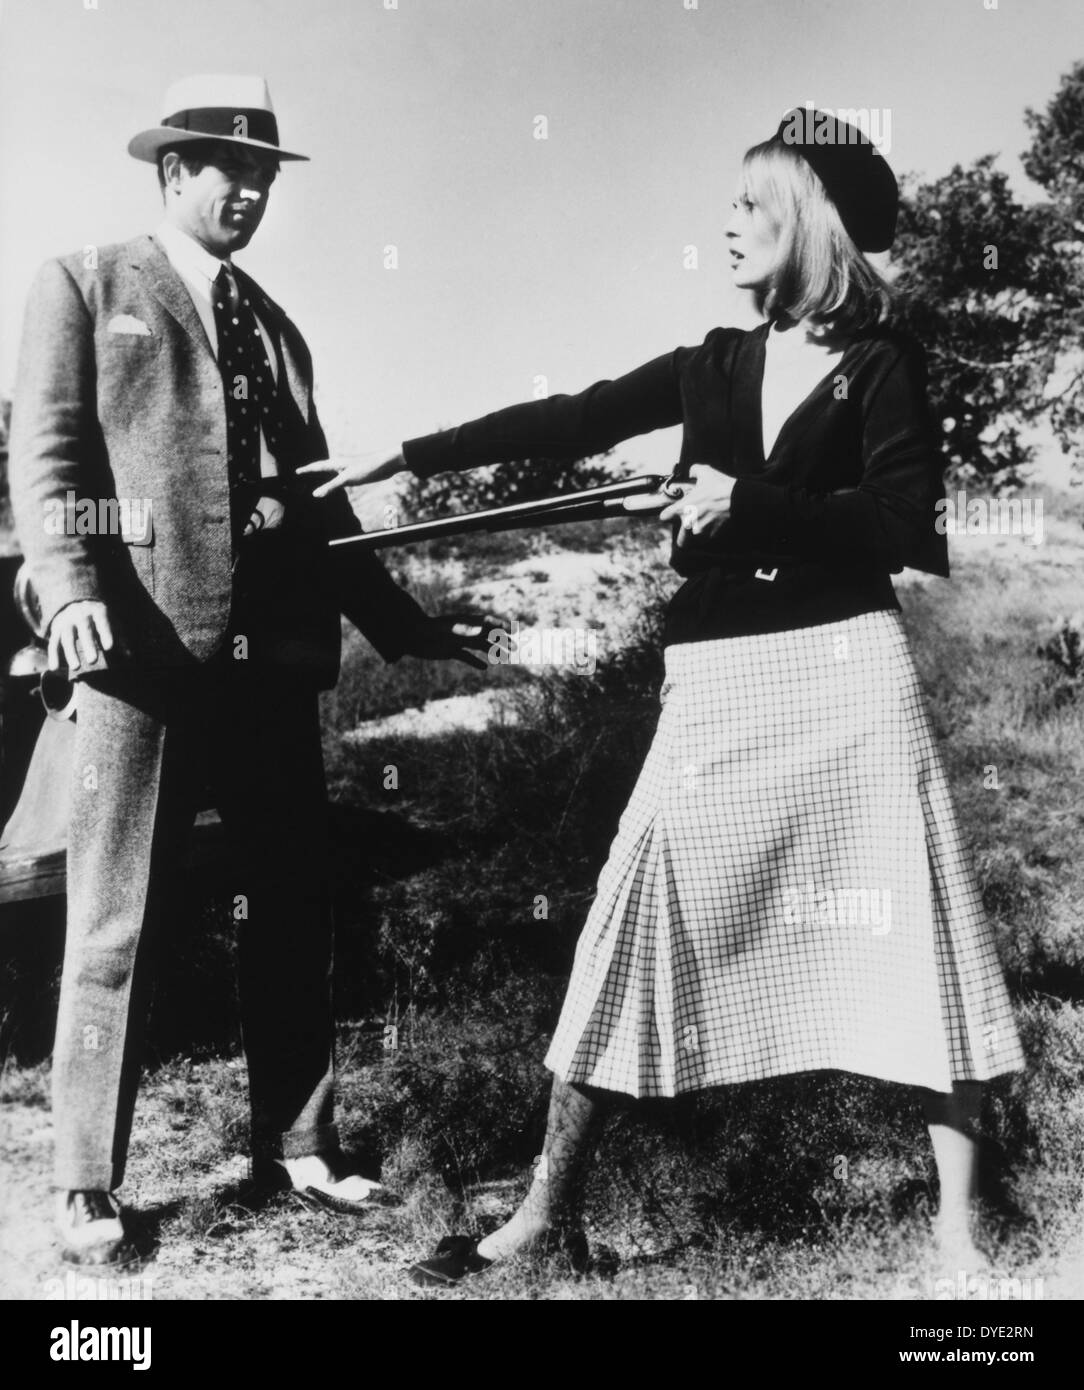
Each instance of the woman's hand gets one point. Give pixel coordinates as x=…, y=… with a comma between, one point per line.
x=705, y=504
x=351, y=473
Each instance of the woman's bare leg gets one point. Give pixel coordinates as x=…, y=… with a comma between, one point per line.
x=554, y=1190
x=953, y=1120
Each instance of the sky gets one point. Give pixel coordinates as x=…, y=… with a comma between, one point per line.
x=524, y=264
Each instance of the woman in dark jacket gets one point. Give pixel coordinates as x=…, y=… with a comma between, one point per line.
x=787, y=891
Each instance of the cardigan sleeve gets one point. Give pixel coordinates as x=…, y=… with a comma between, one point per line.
x=889, y=516
x=559, y=427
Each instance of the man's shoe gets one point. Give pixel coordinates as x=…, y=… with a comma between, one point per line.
x=323, y=1181
x=90, y=1230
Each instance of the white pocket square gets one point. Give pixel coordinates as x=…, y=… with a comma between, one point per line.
x=126, y=323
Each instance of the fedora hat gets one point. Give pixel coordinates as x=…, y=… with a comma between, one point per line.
x=234, y=109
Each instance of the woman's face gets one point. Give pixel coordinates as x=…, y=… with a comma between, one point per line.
x=752, y=241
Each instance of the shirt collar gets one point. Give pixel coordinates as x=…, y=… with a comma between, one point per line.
x=186, y=254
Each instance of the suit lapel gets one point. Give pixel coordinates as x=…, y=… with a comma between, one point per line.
x=169, y=289
x=163, y=282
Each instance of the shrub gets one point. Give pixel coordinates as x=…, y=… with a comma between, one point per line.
x=1064, y=651
x=502, y=485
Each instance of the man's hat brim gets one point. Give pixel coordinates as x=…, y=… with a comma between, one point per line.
x=148, y=144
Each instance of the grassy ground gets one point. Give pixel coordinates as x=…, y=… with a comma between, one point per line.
x=815, y=1188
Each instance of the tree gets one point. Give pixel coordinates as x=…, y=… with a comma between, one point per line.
x=502, y=484
x=1056, y=162
x=5, y=431
x=993, y=288
x=5, y=498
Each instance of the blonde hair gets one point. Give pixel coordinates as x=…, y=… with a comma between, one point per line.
x=821, y=275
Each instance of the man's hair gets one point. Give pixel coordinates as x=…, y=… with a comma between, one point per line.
x=195, y=154
x=821, y=274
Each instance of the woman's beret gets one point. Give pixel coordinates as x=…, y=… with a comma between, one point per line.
x=855, y=175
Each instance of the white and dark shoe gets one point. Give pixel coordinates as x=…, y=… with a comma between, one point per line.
x=91, y=1231
x=323, y=1180
x=456, y=1257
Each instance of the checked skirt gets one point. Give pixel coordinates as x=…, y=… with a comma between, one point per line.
x=788, y=890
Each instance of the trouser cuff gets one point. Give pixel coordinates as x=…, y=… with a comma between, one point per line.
x=72, y=1179
x=298, y=1143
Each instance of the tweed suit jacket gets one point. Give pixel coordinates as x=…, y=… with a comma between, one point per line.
x=119, y=395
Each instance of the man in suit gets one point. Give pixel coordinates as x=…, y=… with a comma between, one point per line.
x=157, y=376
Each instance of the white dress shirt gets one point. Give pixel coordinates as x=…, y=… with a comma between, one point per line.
x=199, y=270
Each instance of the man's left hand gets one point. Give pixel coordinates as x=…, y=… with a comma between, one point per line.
x=452, y=637
x=267, y=515
x=705, y=505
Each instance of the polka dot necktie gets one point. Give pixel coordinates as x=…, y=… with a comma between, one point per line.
x=251, y=394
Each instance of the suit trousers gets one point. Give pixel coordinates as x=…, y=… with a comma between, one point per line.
x=148, y=748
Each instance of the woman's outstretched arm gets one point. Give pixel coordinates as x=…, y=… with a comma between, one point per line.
x=565, y=427
x=648, y=398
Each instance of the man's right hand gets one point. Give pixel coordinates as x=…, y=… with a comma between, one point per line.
x=80, y=635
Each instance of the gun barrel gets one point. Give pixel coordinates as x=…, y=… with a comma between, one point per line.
x=588, y=505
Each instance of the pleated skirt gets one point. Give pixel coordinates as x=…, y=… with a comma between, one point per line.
x=788, y=890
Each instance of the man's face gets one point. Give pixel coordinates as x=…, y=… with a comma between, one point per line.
x=222, y=204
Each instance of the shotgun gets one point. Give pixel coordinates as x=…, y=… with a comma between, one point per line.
x=590, y=504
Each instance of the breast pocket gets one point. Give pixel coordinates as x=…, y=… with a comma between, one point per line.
x=125, y=359
x=129, y=369
x=111, y=342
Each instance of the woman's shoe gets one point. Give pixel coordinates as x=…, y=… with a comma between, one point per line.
x=454, y=1258
x=457, y=1256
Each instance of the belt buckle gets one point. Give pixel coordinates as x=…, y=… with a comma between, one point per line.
x=769, y=577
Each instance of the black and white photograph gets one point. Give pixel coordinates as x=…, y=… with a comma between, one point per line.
x=542, y=666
